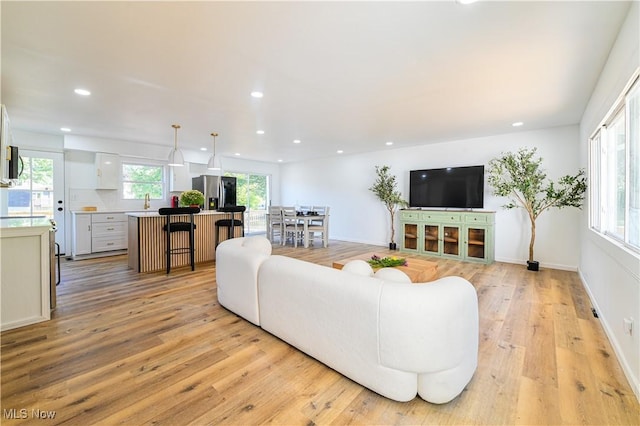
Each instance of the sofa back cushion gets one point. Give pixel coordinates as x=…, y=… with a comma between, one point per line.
x=428, y=327
x=331, y=315
x=237, y=264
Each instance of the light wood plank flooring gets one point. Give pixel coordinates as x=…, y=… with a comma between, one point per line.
x=128, y=348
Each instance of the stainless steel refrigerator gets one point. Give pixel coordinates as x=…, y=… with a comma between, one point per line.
x=219, y=191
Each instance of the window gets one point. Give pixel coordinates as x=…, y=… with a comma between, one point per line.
x=141, y=179
x=33, y=195
x=614, y=171
x=252, y=191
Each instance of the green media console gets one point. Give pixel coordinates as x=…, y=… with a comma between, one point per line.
x=462, y=235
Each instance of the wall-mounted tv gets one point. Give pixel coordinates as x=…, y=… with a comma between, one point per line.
x=450, y=187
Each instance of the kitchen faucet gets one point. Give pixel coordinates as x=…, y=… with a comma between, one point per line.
x=147, y=201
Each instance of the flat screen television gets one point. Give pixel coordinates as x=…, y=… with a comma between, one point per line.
x=450, y=187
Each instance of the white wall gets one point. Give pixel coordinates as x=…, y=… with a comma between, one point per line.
x=38, y=141
x=610, y=273
x=342, y=183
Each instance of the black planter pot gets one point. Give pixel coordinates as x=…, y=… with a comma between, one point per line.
x=533, y=265
x=392, y=246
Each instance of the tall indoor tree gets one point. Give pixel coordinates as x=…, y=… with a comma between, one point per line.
x=385, y=189
x=520, y=176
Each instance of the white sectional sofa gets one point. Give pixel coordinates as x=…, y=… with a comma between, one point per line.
x=397, y=339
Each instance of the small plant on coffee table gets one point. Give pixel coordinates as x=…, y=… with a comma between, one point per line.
x=387, y=261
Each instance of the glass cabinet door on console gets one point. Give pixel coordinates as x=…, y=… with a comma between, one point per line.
x=431, y=239
x=410, y=236
x=441, y=240
x=476, y=238
x=451, y=240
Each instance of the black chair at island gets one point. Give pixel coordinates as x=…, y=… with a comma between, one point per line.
x=230, y=223
x=179, y=226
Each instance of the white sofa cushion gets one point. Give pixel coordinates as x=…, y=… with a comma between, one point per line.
x=237, y=263
x=392, y=275
x=358, y=267
x=333, y=316
x=432, y=329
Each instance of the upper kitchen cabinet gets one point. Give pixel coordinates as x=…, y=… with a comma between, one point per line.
x=179, y=178
x=107, y=171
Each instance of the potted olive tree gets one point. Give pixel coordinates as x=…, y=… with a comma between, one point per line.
x=385, y=189
x=520, y=177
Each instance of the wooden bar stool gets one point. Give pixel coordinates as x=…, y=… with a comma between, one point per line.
x=180, y=226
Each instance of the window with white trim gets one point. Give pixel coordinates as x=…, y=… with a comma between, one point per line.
x=614, y=171
x=140, y=178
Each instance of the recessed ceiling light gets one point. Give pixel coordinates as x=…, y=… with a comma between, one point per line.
x=82, y=92
x=389, y=143
x=237, y=153
x=339, y=151
x=466, y=1
x=65, y=129
x=517, y=124
x=257, y=94
x=279, y=160
x=296, y=141
x=203, y=149
x=260, y=132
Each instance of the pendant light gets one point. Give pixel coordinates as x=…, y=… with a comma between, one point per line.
x=214, y=162
x=176, y=159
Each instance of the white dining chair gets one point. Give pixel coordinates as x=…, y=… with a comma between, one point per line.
x=320, y=226
x=321, y=211
x=291, y=225
x=275, y=223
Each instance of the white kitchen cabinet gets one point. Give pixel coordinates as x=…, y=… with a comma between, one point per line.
x=97, y=234
x=81, y=234
x=179, y=178
x=108, y=232
x=107, y=171
x=25, y=274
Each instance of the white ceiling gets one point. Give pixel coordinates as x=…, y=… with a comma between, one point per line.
x=335, y=75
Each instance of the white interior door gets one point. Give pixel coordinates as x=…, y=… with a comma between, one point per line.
x=40, y=189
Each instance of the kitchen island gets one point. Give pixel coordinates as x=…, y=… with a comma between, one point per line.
x=27, y=288
x=147, y=240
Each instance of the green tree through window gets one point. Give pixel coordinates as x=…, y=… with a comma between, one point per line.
x=33, y=193
x=251, y=190
x=141, y=179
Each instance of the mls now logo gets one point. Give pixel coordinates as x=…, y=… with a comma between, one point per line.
x=23, y=413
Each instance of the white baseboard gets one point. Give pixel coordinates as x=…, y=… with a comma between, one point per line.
x=634, y=382
x=523, y=262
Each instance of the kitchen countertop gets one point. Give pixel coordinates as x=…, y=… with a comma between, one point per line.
x=107, y=211
x=155, y=213
x=25, y=222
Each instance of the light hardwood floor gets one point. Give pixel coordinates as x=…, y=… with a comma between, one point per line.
x=128, y=348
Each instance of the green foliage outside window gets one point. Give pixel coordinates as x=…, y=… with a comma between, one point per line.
x=140, y=179
x=251, y=190
x=37, y=170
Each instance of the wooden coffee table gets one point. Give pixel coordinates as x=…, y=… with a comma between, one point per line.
x=420, y=271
